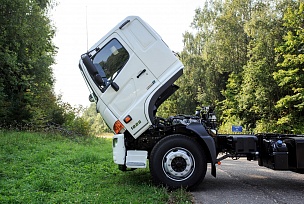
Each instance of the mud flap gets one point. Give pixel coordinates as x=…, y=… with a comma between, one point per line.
x=200, y=130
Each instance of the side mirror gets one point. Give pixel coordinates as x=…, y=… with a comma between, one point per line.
x=89, y=64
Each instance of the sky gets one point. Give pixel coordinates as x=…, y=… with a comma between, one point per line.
x=81, y=23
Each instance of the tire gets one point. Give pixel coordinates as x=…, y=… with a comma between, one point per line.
x=178, y=161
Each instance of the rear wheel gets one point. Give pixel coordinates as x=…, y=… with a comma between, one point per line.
x=178, y=161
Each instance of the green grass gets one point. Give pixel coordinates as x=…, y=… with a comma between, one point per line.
x=44, y=168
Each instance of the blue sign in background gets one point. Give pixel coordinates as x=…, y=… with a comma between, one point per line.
x=237, y=128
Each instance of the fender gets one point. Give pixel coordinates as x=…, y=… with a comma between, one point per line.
x=200, y=130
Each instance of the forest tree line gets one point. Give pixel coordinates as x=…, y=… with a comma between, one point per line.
x=245, y=57
x=27, y=98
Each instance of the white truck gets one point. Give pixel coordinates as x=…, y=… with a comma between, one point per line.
x=130, y=72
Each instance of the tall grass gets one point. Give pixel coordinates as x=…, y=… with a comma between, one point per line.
x=42, y=168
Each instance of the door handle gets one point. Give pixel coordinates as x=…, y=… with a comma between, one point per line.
x=141, y=72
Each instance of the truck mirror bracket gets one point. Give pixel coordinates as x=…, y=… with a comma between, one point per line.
x=114, y=86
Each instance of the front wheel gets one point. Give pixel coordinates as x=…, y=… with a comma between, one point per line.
x=178, y=161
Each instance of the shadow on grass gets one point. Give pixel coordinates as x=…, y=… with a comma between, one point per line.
x=136, y=177
x=141, y=179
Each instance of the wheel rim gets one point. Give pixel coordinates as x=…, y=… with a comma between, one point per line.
x=178, y=164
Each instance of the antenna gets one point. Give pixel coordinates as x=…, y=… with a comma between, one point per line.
x=87, y=28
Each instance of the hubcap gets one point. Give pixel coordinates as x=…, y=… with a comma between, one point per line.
x=178, y=164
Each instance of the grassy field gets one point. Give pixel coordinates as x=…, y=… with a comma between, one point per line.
x=43, y=168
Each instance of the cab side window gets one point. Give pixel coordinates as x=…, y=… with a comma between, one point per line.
x=111, y=58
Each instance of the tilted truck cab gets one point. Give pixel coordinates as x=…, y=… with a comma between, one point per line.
x=133, y=57
x=131, y=72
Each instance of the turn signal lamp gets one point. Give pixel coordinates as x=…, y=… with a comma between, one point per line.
x=127, y=119
x=118, y=126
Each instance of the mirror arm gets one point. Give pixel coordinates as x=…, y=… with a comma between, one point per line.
x=114, y=86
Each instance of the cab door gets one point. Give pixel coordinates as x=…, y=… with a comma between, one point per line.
x=135, y=82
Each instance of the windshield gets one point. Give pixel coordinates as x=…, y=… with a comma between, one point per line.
x=111, y=58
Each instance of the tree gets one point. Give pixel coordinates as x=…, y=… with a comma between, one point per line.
x=231, y=60
x=96, y=123
x=258, y=90
x=26, y=56
x=253, y=103
x=290, y=76
x=232, y=42
x=215, y=49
